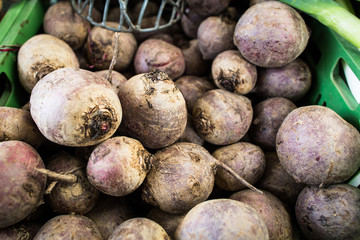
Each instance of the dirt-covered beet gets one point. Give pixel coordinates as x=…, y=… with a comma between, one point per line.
x=21, y=186
x=69, y=226
x=194, y=62
x=272, y=210
x=315, y=145
x=246, y=159
x=100, y=47
x=64, y=197
x=271, y=34
x=140, y=228
x=25, y=230
x=222, y=219
x=215, y=35
x=109, y=212
x=168, y=221
x=63, y=22
x=222, y=117
x=331, y=212
x=192, y=88
x=232, y=72
x=181, y=177
x=278, y=182
x=208, y=7
x=75, y=107
x=115, y=78
x=156, y=54
x=291, y=81
x=268, y=116
x=51, y=54
x=154, y=109
x=17, y=124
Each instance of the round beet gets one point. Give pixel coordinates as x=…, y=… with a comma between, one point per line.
x=139, y=228
x=181, y=177
x=272, y=210
x=51, y=54
x=215, y=35
x=315, y=145
x=246, y=159
x=154, y=109
x=21, y=186
x=271, y=34
x=156, y=54
x=64, y=197
x=221, y=117
x=109, y=212
x=331, y=212
x=70, y=226
x=190, y=22
x=75, y=107
x=63, y=22
x=232, y=72
x=17, y=124
x=118, y=166
x=291, y=81
x=192, y=88
x=268, y=116
x=100, y=47
x=222, y=219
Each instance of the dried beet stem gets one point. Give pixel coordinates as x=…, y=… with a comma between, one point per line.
x=237, y=176
x=57, y=176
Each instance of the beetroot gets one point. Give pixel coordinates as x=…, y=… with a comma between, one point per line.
x=21, y=186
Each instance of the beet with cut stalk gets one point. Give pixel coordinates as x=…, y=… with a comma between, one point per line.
x=182, y=176
x=232, y=72
x=221, y=117
x=64, y=197
x=75, y=107
x=21, y=185
x=154, y=109
x=51, y=54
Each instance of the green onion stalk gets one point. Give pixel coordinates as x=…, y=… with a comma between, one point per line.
x=333, y=15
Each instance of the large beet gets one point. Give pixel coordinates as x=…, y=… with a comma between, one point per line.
x=21, y=186
x=154, y=109
x=75, y=107
x=315, y=145
x=271, y=34
x=222, y=219
x=331, y=212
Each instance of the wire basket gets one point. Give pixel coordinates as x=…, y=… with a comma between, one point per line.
x=168, y=14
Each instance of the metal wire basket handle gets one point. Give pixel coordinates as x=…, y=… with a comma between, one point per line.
x=125, y=22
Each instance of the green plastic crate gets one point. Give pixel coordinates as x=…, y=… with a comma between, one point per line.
x=21, y=21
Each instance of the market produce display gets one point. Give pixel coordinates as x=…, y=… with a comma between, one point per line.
x=194, y=131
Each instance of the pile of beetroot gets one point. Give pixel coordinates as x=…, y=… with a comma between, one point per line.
x=196, y=131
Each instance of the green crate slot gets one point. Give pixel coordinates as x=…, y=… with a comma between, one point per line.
x=324, y=54
x=22, y=21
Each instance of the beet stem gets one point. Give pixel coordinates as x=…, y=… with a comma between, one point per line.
x=58, y=176
x=115, y=55
x=233, y=173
